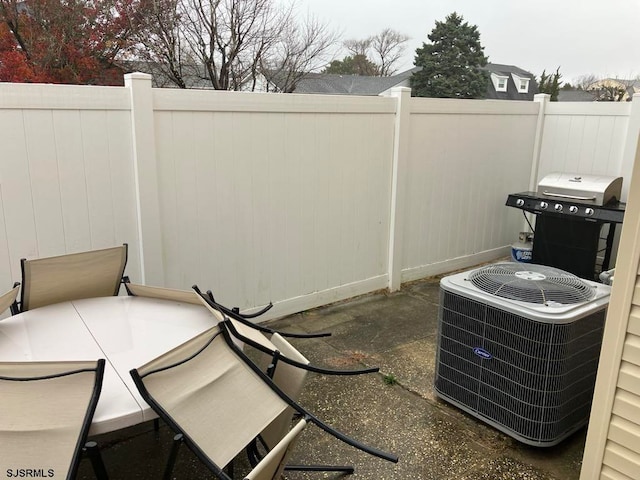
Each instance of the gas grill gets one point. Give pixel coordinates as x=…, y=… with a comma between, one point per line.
x=575, y=215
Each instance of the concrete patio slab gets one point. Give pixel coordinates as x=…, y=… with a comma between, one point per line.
x=394, y=410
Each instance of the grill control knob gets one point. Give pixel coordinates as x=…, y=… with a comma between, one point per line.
x=519, y=202
x=558, y=207
x=589, y=211
x=573, y=209
x=544, y=205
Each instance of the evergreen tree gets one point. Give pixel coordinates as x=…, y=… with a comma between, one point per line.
x=550, y=84
x=451, y=63
x=352, y=65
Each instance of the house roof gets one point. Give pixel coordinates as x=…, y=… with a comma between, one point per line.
x=334, y=84
x=630, y=86
x=575, y=96
x=635, y=83
x=512, y=92
x=506, y=70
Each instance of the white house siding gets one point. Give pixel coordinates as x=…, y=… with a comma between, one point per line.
x=612, y=450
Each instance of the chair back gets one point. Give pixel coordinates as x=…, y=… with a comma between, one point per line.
x=247, y=331
x=290, y=380
x=8, y=299
x=184, y=296
x=96, y=273
x=203, y=390
x=272, y=465
x=46, y=410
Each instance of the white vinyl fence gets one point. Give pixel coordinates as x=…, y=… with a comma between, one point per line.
x=465, y=157
x=297, y=199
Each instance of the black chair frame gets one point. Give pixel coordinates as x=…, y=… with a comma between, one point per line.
x=15, y=306
x=276, y=357
x=244, y=317
x=183, y=437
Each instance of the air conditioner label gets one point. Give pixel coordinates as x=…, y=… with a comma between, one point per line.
x=482, y=353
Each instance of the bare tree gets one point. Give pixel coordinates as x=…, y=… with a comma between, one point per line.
x=384, y=50
x=606, y=89
x=358, y=47
x=228, y=43
x=609, y=92
x=303, y=48
x=160, y=44
x=388, y=47
x=584, y=82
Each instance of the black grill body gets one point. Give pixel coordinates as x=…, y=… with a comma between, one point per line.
x=568, y=244
x=571, y=235
x=531, y=379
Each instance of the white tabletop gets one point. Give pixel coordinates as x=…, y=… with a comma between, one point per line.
x=126, y=331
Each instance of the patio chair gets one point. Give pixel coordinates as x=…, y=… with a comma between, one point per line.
x=8, y=300
x=273, y=464
x=290, y=380
x=46, y=410
x=234, y=313
x=95, y=273
x=250, y=334
x=162, y=293
x=218, y=401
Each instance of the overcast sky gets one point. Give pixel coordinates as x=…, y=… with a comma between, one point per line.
x=600, y=37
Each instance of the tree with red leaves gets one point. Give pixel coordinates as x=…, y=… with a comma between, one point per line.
x=64, y=41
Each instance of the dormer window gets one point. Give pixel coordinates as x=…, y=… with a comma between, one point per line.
x=499, y=82
x=522, y=83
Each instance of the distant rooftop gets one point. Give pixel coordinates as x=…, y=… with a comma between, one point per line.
x=575, y=96
x=335, y=84
x=512, y=92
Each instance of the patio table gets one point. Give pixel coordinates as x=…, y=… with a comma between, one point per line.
x=127, y=331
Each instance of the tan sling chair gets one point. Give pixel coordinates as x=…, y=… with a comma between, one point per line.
x=218, y=401
x=204, y=392
x=162, y=293
x=289, y=377
x=96, y=273
x=192, y=296
x=244, y=318
x=255, y=332
x=46, y=410
x=288, y=368
x=252, y=335
x=8, y=300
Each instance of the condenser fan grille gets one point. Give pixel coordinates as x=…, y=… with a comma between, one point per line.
x=532, y=284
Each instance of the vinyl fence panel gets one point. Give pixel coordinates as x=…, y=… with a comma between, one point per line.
x=278, y=201
x=66, y=182
x=586, y=138
x=286, y=198
x=465, y=158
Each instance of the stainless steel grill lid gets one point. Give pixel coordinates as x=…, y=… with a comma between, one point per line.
x=592, y=189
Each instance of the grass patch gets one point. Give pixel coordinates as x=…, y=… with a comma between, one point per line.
x=390, y=379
